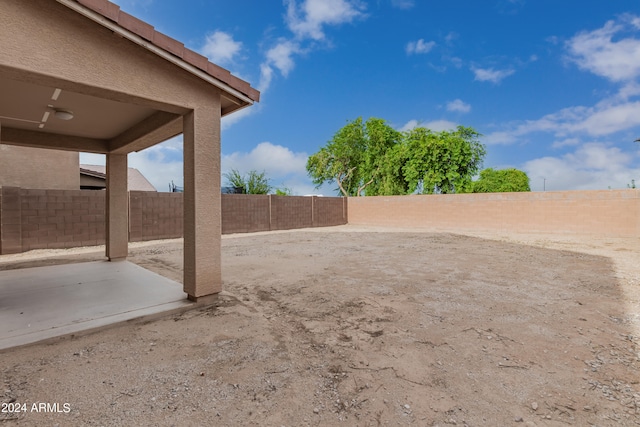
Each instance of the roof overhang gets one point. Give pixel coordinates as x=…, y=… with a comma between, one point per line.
x=109, y=113
x=237, y=98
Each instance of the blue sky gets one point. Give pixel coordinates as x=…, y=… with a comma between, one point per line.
x=554, y=87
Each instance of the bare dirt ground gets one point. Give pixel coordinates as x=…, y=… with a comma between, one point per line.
x=357, y=326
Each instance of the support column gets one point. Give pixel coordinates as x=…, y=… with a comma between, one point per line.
x=202, y=203
x=117, y=208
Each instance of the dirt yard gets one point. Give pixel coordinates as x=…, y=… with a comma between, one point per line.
x=356, y=326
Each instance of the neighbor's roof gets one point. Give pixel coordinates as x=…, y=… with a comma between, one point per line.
x=136, y=181
x=112, y=12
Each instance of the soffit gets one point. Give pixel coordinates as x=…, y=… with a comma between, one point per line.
x=25, y=106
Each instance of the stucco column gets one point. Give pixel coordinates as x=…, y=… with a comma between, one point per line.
x=117, y=208
x=202, y=224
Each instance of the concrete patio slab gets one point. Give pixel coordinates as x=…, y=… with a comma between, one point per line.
x=46, y=302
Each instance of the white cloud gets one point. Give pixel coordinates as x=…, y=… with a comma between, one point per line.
x=419, y=46
x=281, y=54
x=566, y=143
x=435, y=125
x=409, y=125
x=440, y=125
x=451, y=37
x=134, y=5
x=160, y=164
x=276, y=160
x=605, y=118
x=598, y=53
x=502, y=137
x=220, y=47
x=491, y=75
x=628, y=90
x=459, y=106
x=163, y=163
x=610, y=120
x=266, y=74
x=592, y=166
x=403, y=4
x=308, y=19
x=283, y=167
x=236, y=116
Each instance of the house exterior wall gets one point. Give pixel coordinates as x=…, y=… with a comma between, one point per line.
x=38, y=168
x=604, y=213
x=92, y=181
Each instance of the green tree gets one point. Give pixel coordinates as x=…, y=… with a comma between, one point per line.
x=284, y=191
x=501, y=181
x=252, y=183
x=236, y=179
x=354, y=157
x=441, y=162
x=371, y=158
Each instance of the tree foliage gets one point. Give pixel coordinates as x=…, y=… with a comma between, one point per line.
x=372, y=158
x=501, y=181
x=252, y=183
x=442, y=162
x=354, y=157
x=284, y=191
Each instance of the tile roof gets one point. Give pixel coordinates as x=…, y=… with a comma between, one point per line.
x=136, y=181
x=142, y=29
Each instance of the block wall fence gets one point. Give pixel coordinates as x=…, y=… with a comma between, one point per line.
x=55, y=219
x=40, y=219
x=609, y=213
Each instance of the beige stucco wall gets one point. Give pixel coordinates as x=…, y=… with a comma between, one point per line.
x=38, y=168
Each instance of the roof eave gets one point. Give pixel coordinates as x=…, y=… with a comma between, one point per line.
x=242, y=99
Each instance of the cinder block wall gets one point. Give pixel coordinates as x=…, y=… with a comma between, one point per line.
x=606, y=212
x=154, y=215
x=328, y=211
x=51, y=219
x=291, y=212
x=245, y=213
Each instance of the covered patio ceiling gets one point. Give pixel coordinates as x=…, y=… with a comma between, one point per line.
x=31, y=114
x=46, y=116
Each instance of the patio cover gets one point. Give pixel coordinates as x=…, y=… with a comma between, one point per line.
x=82, y=75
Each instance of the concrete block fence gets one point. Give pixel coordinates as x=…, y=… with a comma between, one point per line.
x=36, y=219
x=53, y=219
